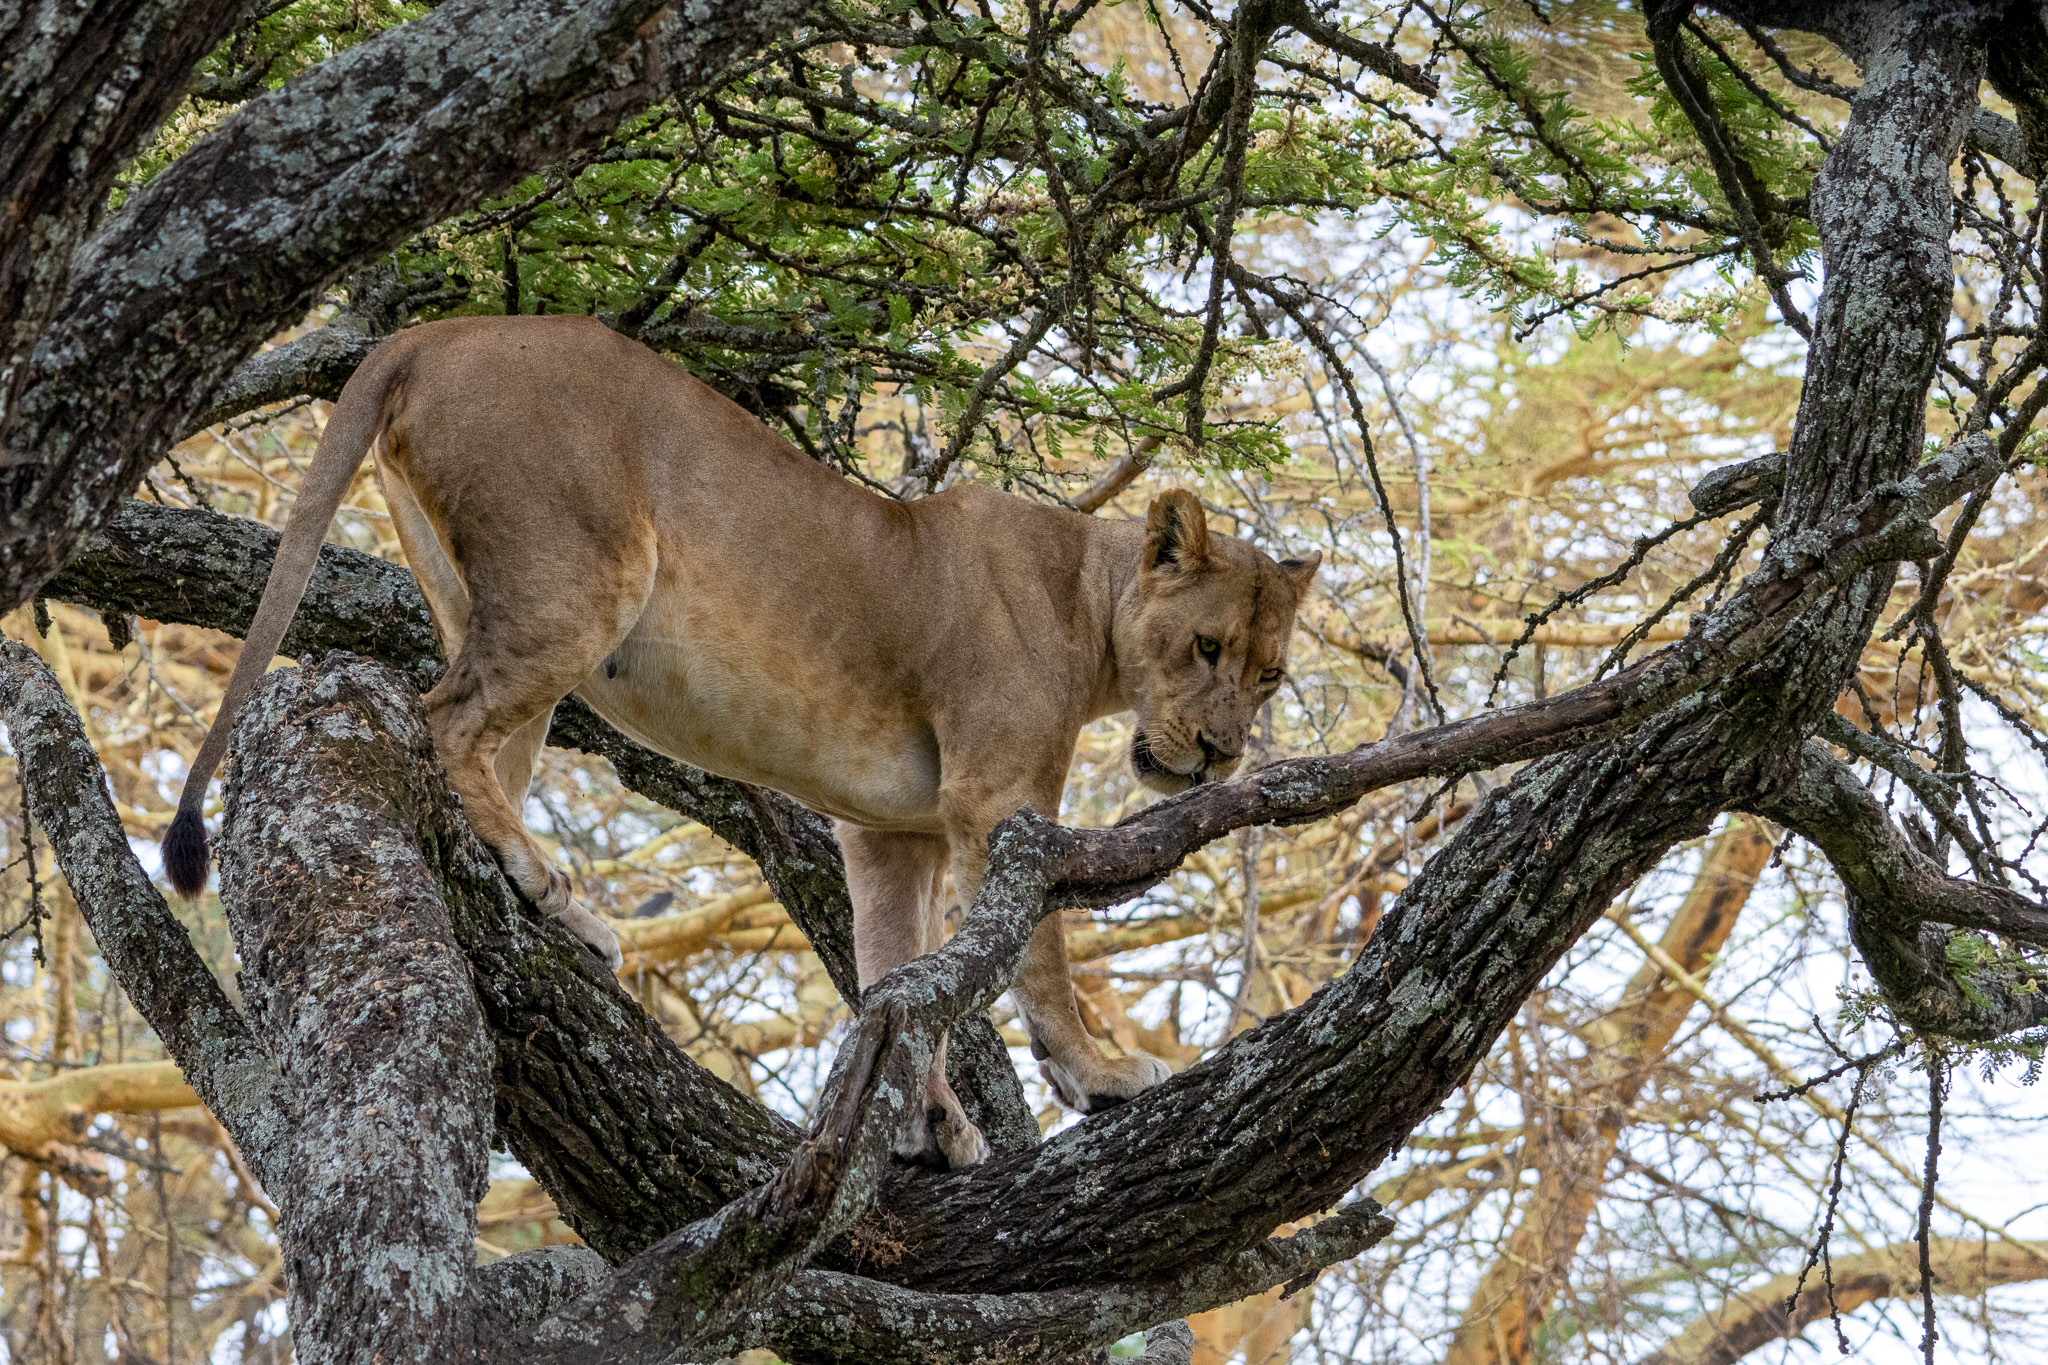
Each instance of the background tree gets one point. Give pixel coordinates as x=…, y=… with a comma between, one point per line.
x=1500, y=288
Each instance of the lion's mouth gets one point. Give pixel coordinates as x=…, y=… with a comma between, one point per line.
x=1156, y=774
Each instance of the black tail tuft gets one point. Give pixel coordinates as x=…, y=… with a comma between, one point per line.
x=184, y=849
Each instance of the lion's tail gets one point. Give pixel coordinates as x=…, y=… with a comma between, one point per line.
x=357, y=418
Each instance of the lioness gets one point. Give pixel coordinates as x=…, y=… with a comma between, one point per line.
x=584, y=516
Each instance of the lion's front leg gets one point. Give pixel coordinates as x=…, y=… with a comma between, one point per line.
x=897, y=884
x=1086, y=1080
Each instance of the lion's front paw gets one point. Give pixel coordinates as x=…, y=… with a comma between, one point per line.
x=595, y=933
x=1089, y=1085
x=940, y=1136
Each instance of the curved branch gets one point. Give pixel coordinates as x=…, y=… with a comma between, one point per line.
x=1753, y=1318
x=349, y=877
x=1898, y=898
x=1101, y=866
x=828, y=1318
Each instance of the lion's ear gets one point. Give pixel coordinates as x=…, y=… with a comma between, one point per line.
x=1300, y=572
x=1176, y=533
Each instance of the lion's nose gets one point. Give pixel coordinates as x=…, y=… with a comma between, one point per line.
x=1213, y=753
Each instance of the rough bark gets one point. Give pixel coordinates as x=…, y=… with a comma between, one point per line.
x=355, y=982
x=82, y=87
x=231, y=244
x=139, y=938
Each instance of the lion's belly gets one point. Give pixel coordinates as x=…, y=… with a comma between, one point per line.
x=756, y=712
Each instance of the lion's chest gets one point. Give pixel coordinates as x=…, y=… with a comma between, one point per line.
x=762, y=707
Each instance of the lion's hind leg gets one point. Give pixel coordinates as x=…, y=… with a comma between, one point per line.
x=526, y=645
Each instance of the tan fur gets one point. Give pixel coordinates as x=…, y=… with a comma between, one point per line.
x=583, y=516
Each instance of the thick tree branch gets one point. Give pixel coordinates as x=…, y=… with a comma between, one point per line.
x=1324, y=1091
x=1105, y=865
x=232, y=242
x=693, y=1287
x=1996, y=135
x=1284, y=1120
x=828, y=1318
x=83, y=88
x=353, y=976
x=1798, y=574
x=141, y=940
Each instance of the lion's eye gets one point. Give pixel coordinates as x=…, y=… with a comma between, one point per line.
x=1271, y=676
x=1208, y=648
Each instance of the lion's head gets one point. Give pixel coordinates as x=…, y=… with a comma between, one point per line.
x=1205, y=645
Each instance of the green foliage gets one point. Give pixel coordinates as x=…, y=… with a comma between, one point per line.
x=990, y=235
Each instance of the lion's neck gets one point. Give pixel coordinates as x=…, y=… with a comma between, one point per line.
x=1110, y=578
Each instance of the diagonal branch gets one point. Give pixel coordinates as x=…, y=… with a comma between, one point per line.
x=1796, y=575
x=1357, y=1047
x=144, y=945
x=348, y=853
x=82, y=89
x=232, y=242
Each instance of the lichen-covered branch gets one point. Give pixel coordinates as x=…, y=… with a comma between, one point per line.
x=1899, y=902
x=231, y=243
x=315, y=365
x=143, y=944
x=361, y=992
x=82, y=88
x=1325, y=1091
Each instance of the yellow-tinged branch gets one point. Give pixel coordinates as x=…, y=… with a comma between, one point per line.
x=37, y=1116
